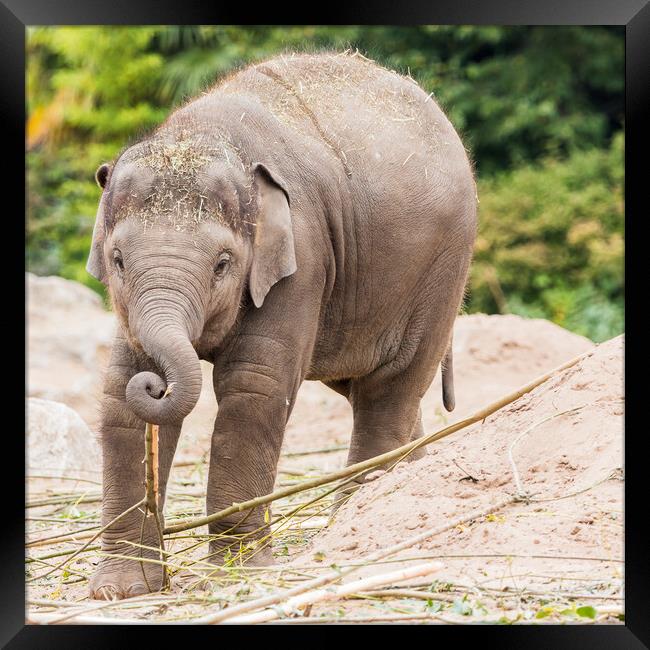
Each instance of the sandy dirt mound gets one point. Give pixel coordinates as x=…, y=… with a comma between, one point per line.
x=566, y=441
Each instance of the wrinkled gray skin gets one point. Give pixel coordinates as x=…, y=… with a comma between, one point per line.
x=311, y=217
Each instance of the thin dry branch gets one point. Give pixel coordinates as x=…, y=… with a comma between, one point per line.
x=83, y=533
x=397, y=454
x=334, y=575
x=151, y=495
x=87, y=497
x=135, y=506
x=297, y=604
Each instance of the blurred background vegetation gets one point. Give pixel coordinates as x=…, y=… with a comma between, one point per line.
x=539, y=108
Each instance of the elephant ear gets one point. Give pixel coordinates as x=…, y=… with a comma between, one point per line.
x=95, y=264
x=274, y=255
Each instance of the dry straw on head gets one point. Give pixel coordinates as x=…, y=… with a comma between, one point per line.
x=181, y=193
x=181, y=157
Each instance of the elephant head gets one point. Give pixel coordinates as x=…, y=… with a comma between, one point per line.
x=185, y=230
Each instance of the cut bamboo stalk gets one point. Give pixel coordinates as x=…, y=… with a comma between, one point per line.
x=154, y=460
x=396, y=455
x=298, y=603
x=337, y=574
x=151, y=491
x=151, y=465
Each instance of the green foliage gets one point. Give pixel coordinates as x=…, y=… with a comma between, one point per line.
x=585, y=611
x=550, y=242
x=540, y=109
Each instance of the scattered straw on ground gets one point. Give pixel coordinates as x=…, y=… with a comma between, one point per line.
x=554, y=554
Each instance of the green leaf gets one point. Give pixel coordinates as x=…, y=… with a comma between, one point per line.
x=433, y=606
x=587, y=611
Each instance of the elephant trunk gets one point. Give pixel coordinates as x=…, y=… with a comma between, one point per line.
x=165, y=400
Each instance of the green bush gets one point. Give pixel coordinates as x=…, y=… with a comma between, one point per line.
x=550, y=242
x=540, y=109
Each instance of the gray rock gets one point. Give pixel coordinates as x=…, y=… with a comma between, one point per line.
x=68, y=345
x=59, y=443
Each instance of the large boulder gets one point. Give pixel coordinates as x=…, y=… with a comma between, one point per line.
x=68, y=345
x=59, y=443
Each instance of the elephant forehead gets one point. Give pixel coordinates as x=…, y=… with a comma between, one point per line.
x=181, y=202
x=198, y=245
x=184, y=182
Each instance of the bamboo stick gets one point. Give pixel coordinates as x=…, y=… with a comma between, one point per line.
x=397, y=454
x=300, y=602
x=151, y=494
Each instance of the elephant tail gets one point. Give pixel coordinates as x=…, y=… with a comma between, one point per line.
x=448, y=398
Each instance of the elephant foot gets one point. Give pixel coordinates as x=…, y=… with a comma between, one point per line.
x=116, y=580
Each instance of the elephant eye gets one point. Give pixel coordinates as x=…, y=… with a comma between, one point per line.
x=118, y=262
x=222, y=265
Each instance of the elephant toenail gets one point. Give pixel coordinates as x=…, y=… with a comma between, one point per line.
x=108, y=592
x=136, y=589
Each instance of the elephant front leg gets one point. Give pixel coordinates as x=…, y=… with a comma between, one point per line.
x=243, y=463
x=121, y=573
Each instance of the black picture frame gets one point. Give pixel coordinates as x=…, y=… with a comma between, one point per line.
x=16, y=15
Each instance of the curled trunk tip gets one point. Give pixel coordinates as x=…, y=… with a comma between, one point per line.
x=168, y=399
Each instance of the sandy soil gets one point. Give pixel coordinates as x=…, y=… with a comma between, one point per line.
x=564, y=547
x=566, y=441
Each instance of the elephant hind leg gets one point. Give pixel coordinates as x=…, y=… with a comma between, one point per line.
x=386, y=402
x=418, y=432
x=383, y=420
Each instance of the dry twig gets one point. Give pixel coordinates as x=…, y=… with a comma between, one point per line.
x=298, y=603
x=396, y=455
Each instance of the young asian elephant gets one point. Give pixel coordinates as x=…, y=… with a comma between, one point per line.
x=310, y=217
